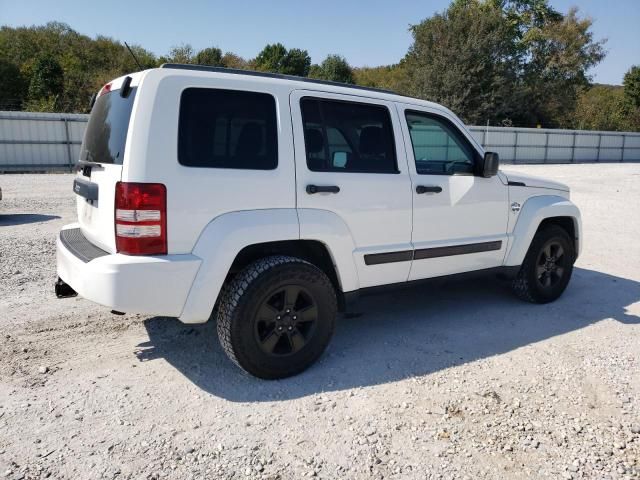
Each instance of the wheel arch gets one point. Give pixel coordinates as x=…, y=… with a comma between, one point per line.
x=536, y=213
x=312, y=251
x=568, y=224
x=233, y=240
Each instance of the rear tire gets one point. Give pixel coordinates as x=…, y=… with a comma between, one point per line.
x=277, y=316
x=547, y=267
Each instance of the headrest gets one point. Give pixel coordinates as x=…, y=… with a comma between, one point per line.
x=313, y=140
x=371, y=142
x=250, y=140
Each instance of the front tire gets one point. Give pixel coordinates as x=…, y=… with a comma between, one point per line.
x=277, y=316
x=547, y=267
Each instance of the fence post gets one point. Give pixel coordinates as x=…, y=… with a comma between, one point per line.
x=515, y=149
x=599, y=143
x=573, y=148
x=66, y=132
x=546, y=147
x=624, y=143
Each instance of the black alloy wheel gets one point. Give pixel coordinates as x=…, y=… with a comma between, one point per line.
x=547, y=266
x=276, y=317
x=551, y=264
x=286, y=321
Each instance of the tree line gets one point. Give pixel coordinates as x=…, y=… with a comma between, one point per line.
x=502, y=62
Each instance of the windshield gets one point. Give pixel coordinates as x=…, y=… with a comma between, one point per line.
x=106, y=134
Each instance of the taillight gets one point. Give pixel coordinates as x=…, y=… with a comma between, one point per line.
x=141, y=218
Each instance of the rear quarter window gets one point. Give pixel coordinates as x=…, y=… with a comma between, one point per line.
x=227, y=129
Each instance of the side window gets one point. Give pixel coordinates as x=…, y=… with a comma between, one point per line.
x=348, y=137
x=227, y=129
x=438, y=146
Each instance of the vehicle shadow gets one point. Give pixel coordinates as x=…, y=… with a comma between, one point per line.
x=24, y=218
x=414, y=331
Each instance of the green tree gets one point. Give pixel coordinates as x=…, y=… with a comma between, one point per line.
x=465, y=58
x=12, y=86
x=181, y=54
x=47, y=81
x=271, y=58
x=558, y=55
x=87, y=63
x=388, y=77
x=503, y=59
x=231, y=60
x=523, y=15
x=297, y=62
x=631, y=84
x=334, y=68
x=209, y=56
x=601, y=107
x=276, y=58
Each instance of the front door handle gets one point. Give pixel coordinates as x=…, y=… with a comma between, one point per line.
x=311, y=189
x=428, y=189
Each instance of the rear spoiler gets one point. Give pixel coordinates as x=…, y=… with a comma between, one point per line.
x=125, y=89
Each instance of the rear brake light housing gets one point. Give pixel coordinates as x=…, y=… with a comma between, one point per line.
x=105, y=89
x=141, y=218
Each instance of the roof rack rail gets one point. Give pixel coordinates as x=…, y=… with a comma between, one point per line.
x=237, y=71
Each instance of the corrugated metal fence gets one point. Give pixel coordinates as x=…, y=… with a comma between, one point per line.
x=543, y=145
x=31, y=142
x=51, y=141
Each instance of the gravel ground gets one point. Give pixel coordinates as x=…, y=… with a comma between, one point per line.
x=459, y=380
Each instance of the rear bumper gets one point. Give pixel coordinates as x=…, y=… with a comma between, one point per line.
x=152, y=285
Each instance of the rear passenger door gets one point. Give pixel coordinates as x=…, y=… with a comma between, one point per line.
x=351, y=165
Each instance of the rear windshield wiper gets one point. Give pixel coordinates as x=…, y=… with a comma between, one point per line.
x=87, y=163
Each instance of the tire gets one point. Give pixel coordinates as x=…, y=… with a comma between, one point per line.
x=540, y=279
x=277, y=316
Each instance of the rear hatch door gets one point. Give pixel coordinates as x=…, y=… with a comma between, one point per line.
x=101, y=159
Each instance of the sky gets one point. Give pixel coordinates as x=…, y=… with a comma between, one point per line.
x=366, y=32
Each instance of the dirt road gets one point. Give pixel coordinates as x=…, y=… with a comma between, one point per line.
x=459, y=380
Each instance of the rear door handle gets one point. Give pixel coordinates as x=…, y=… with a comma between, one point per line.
x=428, y=189
x=311, y=189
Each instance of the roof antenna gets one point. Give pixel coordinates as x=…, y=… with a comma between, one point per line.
x=133, y=55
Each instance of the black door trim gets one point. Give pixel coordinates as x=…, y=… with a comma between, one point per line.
x=389, y=257
x=436, y=252
x=424, y=253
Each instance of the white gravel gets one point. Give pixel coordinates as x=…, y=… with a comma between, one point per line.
x=456, y=381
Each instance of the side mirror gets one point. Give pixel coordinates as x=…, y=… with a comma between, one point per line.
x=490, y=164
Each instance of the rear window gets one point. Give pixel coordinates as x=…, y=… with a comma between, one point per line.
x=106, y=134
x=227, y=129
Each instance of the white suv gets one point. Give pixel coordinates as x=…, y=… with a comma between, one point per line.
x=272, y=202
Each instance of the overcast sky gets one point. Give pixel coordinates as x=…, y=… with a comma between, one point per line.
x=367, y=32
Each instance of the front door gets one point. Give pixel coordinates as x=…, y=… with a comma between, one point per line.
x=459, y=217
x=351, y=168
